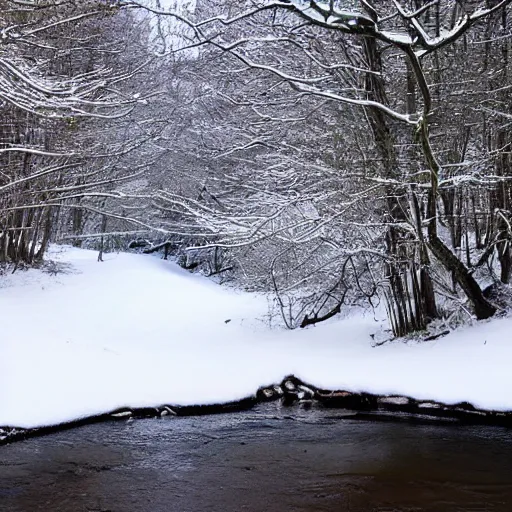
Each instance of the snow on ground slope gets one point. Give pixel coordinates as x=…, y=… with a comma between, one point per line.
x=139, y=331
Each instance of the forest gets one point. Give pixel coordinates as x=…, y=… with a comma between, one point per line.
x=332, y=153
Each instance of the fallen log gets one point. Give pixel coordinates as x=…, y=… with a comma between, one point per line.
x=292, y=391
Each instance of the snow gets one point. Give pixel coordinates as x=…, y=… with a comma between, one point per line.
x=139, y=331
x=322, y=13
x=397, y=37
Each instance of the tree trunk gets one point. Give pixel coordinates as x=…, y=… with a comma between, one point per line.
x=482, y=307
x=408, y=313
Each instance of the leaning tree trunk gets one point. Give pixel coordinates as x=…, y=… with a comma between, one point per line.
x=502, y=203
x=482, y=307
x=504, y=169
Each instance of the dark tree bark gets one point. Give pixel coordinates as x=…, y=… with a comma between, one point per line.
x=410, y=314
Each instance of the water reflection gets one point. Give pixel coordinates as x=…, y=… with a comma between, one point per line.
x=266, y=460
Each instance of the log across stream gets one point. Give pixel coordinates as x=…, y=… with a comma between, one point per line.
x=290, y=391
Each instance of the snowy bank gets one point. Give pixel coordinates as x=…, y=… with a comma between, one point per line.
x=136, y=331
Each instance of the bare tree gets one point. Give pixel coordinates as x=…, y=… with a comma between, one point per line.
x=380, y=58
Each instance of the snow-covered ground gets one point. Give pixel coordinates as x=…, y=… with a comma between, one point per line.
x=138, y=331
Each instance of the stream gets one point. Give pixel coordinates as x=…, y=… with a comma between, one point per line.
x=270, y=459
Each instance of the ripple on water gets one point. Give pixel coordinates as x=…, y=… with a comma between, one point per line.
x=268, y=459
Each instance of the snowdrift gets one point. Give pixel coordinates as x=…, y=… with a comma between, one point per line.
x=137, y=331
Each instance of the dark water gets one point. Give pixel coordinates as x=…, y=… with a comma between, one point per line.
x=270, y=459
